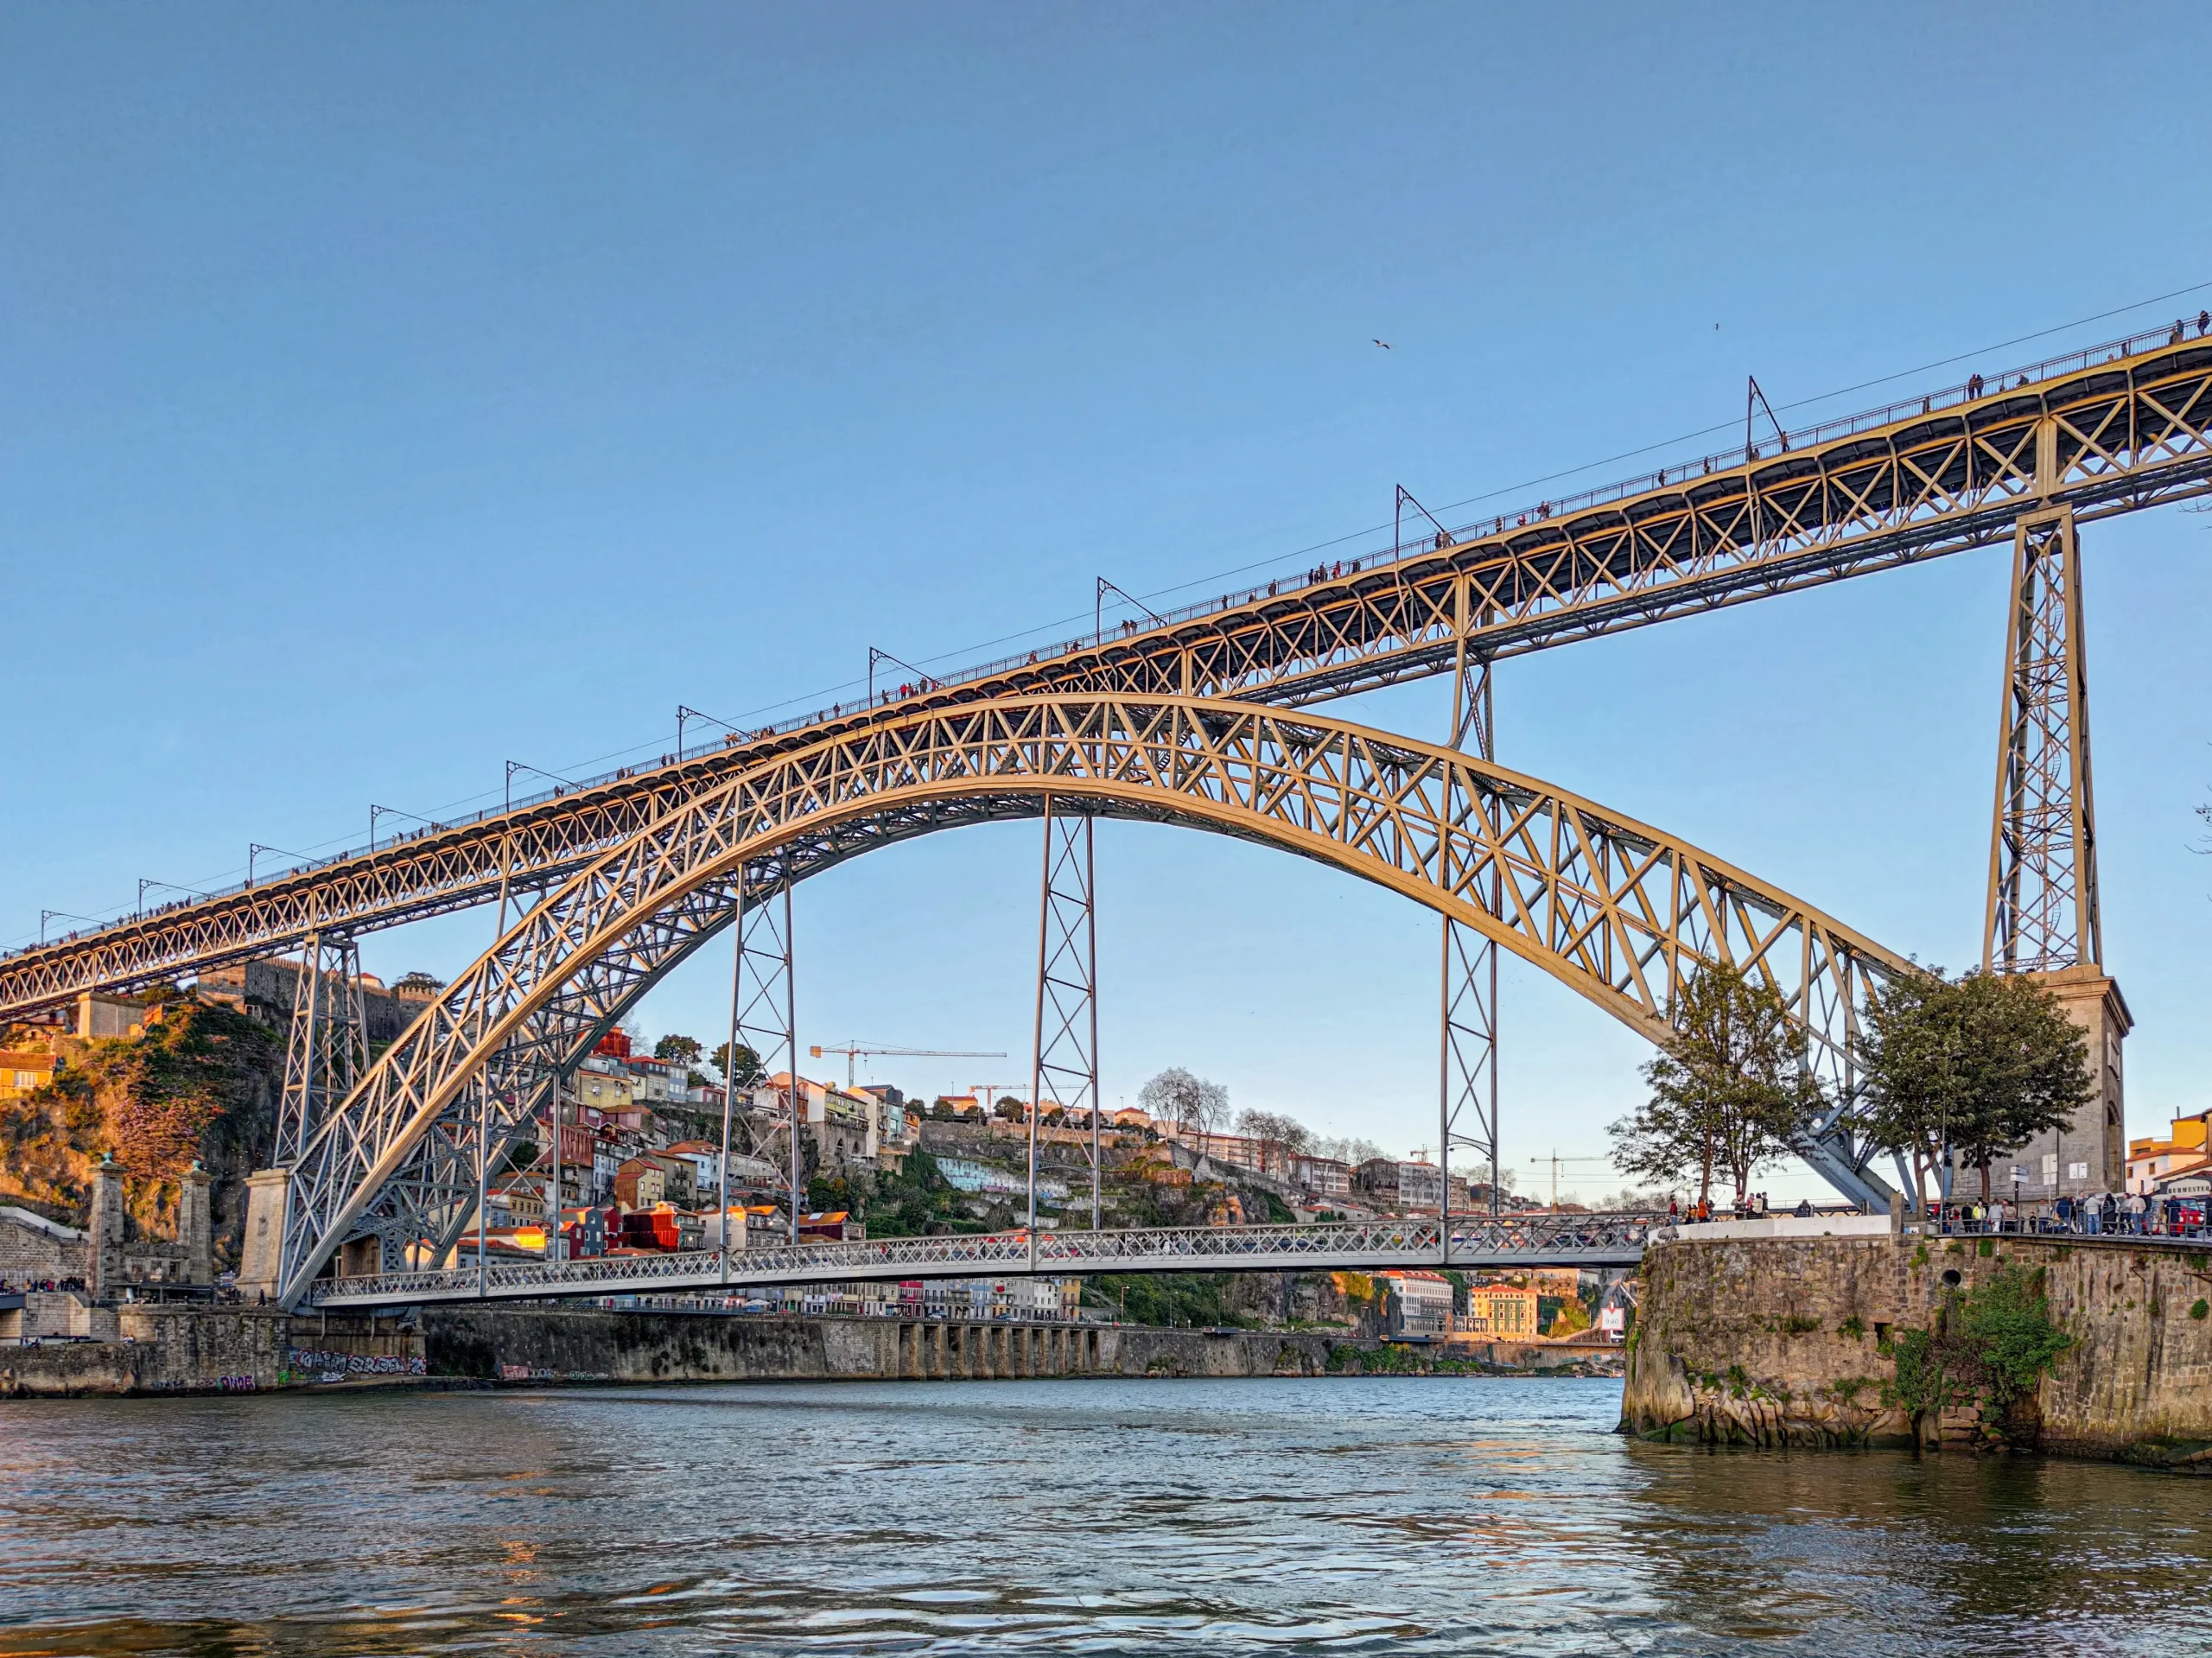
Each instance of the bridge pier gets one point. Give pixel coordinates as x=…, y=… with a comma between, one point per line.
x=261, y=1264
x=2043, y=918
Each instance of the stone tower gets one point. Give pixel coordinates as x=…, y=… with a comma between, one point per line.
x=195, y=1226
x=104, y=1250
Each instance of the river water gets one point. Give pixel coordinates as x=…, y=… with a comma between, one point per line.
x=1436, y=1516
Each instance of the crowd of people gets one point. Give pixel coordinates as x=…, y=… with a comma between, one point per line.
x=2092, y=1213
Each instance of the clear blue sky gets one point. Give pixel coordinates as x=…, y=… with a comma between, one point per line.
x=388, y=392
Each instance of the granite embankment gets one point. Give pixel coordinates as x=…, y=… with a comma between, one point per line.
x=1798, y=1341
x=178, y=1350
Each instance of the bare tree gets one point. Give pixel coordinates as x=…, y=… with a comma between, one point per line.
x=1186, y=1101
x=1346, y=1148
x=1281, y=1137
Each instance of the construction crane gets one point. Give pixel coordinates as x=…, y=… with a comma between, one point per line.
x=852, y=1050
x=1556, y=1162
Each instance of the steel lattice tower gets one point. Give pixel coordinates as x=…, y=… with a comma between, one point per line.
x=1468, y=1061
x=1065, y=1069
x=765, y=1017
x=328, y=1047
x=2042, y=912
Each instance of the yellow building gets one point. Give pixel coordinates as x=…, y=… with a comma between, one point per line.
x=23, y=1070
x=2149, y=1160
x=1507, y=1310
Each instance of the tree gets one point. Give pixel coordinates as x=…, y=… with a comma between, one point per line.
x=1281, y=1137
x=1729, y=1090
x=681, y=1050
x=1967, y=1069
x=1010, y=1109
x=1190, y=1103
x=750, y=1072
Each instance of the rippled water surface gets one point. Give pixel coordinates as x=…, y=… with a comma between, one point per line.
x=1443, y=1516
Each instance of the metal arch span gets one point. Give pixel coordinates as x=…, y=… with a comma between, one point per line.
x=1620, y=911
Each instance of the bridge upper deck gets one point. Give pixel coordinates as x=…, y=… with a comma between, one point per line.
x=2112, y=430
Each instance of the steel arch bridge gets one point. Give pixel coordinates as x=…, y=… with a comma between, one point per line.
x=1620, y=911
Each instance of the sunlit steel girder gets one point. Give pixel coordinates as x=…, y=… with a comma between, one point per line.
x=1620, y=911
x=1532, y=1240
x=2098, y=433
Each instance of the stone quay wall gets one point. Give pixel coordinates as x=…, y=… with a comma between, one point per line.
x=588, y=1344
x=140, y=1348
x=1781, y=1341
x=168, y=1348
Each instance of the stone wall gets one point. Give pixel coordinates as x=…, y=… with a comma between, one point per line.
x=1781, y=1341
x=34, y=1250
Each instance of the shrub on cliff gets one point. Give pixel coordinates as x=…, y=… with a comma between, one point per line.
x=1992, y=1343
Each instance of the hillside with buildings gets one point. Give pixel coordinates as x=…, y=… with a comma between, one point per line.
x=180, y=1088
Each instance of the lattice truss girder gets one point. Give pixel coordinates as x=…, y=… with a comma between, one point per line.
x=1619, y=910
x=2115, y=438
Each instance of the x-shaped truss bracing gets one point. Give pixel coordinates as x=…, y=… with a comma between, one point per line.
x=1620, y=911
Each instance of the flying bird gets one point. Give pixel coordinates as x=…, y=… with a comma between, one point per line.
x=1384, y=343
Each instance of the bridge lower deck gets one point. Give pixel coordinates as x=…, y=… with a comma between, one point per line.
x=1543, y=1240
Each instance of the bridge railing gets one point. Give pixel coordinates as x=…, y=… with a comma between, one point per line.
x=1366, y=555
x=1216, y=1249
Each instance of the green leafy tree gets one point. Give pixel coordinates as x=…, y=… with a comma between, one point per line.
x=1729, y=1091
x=749, y=1072
x=1967, y=1069
x=680, y=1050
x=1010, y=1109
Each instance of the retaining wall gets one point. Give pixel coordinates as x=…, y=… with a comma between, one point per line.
x=1781, y=1341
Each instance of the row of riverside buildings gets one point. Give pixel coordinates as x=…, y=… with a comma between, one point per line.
x=1500, y=1306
